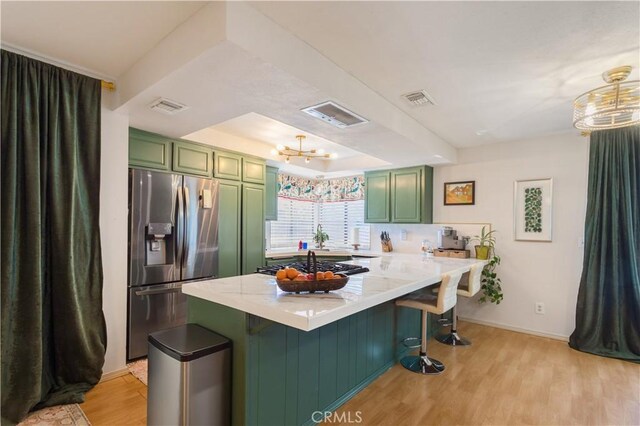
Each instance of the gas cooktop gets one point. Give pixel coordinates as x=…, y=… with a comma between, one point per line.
x=323, y=265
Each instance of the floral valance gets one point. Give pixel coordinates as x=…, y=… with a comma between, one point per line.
x=338, y=189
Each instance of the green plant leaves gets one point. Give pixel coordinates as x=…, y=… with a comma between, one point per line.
x=490, y=283
x=533, y=209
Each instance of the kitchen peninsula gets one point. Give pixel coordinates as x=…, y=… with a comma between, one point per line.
x=294, y=354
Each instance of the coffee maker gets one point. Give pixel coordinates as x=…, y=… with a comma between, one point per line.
x=448, y=239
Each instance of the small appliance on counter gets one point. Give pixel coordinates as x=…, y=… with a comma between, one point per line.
x=450, y=245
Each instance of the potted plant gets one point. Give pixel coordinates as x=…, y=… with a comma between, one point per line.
x=490, y=283
x=320, y=237
x=486, y=242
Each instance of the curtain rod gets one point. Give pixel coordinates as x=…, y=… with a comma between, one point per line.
x=108, y=85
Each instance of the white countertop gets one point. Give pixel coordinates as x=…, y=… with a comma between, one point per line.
x=389, y=277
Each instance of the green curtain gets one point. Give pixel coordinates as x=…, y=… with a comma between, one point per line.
x=53, y=328
x=608, y=309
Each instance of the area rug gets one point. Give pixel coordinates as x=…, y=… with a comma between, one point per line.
x=58, y=415
x=139, y=370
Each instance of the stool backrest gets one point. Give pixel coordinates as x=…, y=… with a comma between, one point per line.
x=447, y=295
x=475, y=276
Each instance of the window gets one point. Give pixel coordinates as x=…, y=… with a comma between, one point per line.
x=298, y=220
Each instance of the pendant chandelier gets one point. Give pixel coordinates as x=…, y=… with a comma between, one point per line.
x=609, y=107
x=287, y=152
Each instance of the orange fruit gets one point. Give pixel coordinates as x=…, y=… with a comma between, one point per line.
x=281, y=274
x=328, y=275
x=292, y=273
x=320, y=276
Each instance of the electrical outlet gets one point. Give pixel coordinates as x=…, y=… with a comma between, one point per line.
x=540, y=308
x=403, y=235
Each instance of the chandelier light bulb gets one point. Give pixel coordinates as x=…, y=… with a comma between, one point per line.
x=287, y=160
x=333, y=155
x=280, y=147
x=320, y=151
x=274, y=151
x=307, y=160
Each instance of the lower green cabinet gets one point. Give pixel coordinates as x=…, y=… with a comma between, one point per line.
x=252, y=227
x=229, y=227
x=271, y=195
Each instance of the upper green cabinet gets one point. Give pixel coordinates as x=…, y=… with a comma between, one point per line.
x=406, y=195
x=271, y=194
x=253, y=170
x=148, y=150
x=376, y=197
x=192, y=159
x=399, y=196
x=227, y=166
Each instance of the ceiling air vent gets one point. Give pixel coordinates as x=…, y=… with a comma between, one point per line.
x=167, y=106
x=419, y=98
x=335, y=115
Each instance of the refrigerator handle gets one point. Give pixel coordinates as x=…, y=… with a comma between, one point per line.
x=180, y=229
x=187, y=243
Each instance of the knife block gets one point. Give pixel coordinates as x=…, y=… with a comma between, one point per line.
x=386, y=246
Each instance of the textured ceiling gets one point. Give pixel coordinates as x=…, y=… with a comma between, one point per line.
x=508, y=70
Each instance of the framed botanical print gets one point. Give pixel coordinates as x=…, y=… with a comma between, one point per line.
x=533, y=210
x=460, y=193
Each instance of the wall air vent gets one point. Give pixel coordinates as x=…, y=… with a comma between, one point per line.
x=167, y=106
x=335, y=115
x=419, y=98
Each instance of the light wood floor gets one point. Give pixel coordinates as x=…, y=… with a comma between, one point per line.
x=504, y=378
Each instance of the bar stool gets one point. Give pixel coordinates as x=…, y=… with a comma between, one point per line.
x=468, y=289
x=428, y=302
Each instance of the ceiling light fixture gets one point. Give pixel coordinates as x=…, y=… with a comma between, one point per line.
x=609, y=107
x=308, y=154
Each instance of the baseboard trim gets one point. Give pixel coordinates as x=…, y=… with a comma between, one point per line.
x=516, y=329
x=114, y=374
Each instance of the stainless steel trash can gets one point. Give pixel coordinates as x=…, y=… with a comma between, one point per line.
x=189, y=377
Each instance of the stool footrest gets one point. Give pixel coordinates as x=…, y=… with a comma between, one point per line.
x=452, y=339
x=412, y=342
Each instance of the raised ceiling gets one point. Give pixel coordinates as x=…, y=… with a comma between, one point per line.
x=506, y=70
x=498, y=71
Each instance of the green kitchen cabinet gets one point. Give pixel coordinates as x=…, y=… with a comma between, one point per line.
x=271, y=194
x=253, y=170
x=399, y=196
x=229, y=228
x=253, y=197
x=192, y=159
x=149, y=151
x=376, y=198
x=227, y=166
x=406, y=195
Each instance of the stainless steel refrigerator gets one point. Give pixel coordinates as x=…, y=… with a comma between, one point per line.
x=173, y=238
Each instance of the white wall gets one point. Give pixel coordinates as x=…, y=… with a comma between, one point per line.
x=531, y=271
x=113, y=232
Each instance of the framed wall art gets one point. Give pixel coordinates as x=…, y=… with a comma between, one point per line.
x=533, y=210
x=460, y=193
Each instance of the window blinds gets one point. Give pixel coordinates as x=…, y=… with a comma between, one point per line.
x=298, y=220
